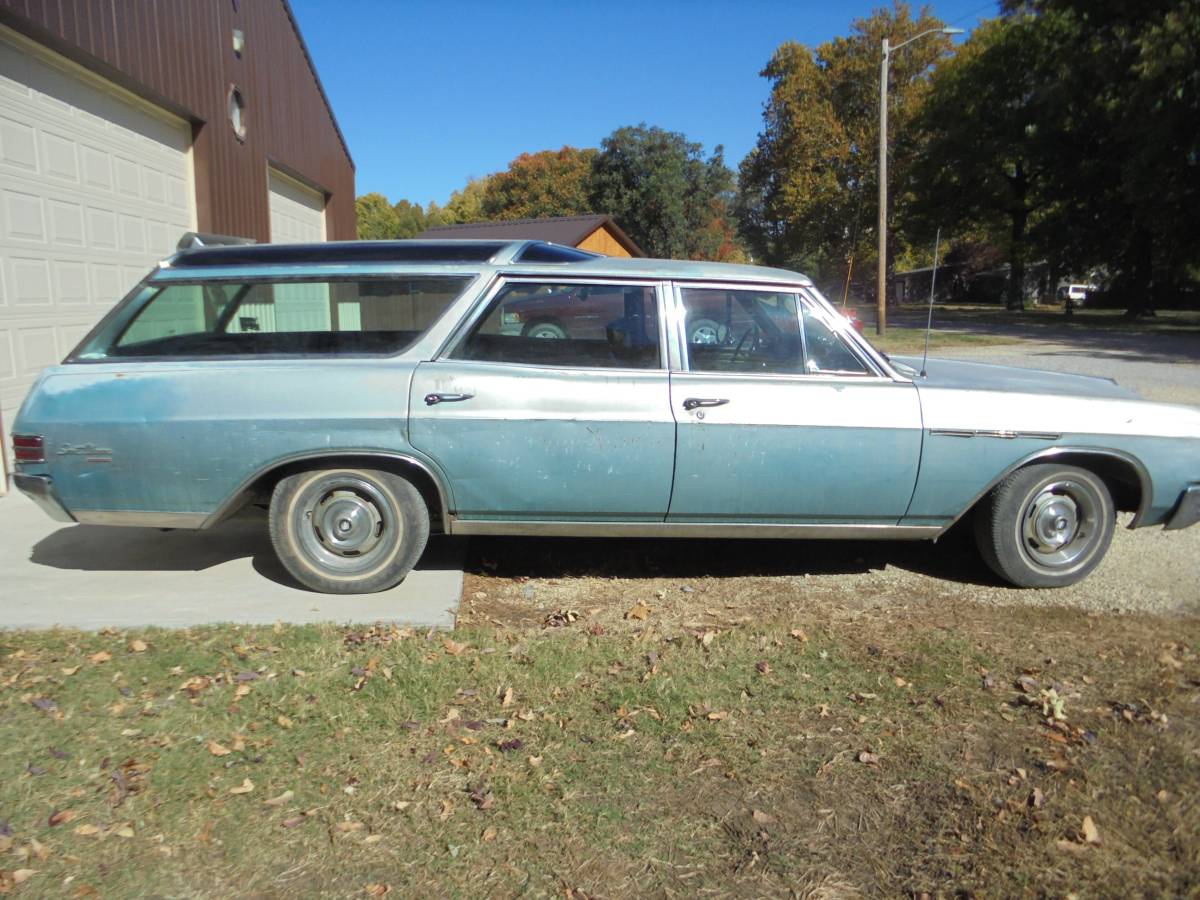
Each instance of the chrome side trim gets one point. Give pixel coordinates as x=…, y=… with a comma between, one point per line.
x=1006, y=435
x=139, y=519
x=312, y=456
x=1147, y=486
x=691, y=530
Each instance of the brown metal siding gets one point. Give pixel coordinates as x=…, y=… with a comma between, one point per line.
x=179, y=53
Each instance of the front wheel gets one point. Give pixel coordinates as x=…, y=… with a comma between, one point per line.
x=348, y=531
x=1045, y=525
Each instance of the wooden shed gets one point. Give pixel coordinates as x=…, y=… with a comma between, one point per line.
x=598, y=233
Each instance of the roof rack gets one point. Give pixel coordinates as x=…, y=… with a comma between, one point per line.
x=193, y=239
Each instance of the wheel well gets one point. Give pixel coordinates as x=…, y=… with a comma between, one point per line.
x=260, y=490
x=1119, y=475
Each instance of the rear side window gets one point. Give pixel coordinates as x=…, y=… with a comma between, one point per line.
x=591, y=326
x=215, y=319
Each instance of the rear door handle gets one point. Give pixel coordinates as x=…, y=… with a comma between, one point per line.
x=697, y=402
x=435, y=399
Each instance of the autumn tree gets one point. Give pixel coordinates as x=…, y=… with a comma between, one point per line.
x=808, y=189
x=467, y=204
x=664, y=192
x=376, y=218
x=541, y=185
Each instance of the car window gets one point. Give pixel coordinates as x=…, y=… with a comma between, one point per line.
x=760, y=332
x=825, y=351
x=742, y=331
x=278, y=318
x=607, y=326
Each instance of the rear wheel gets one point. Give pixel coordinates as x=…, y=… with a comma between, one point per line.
x=348, y=531
x=545, y=329
x=1045, y=525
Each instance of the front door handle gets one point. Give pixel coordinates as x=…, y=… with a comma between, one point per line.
x=696, y=402
x=435, y=399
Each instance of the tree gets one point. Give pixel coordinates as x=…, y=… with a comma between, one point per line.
x=983, y=160
x=376, y=219
x=466, y=205
x=540, y=185
x=808, y=188
x=663, y=191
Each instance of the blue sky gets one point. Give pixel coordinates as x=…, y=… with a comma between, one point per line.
x=431, y=93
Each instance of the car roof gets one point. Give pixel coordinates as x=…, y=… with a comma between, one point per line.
x=470, y=253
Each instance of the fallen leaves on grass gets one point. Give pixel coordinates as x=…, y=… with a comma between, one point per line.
x=138, y=646
x=244, y=788
x=376, y=889
x=506, y=697
x=282, y=800
x=218, y=749
x=453, y=647
x=101, y=656
x=868, y=758
x=61, y=817
x=638, y=613
x=561, y=618
x=1091, y=834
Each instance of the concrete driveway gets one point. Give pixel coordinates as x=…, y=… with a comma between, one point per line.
x=91, y=576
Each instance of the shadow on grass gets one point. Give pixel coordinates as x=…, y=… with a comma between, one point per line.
x=953, y=557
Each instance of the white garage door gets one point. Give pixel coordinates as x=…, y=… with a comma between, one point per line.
x=297, y=211
x=95, y=187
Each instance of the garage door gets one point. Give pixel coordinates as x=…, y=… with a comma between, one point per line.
x=95, y=187
x=297, y=211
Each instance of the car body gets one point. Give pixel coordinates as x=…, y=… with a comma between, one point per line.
x=371, y=392
x=1075, y=294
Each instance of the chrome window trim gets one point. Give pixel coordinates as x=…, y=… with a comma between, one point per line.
x=865, y=347
x=874, y=373
x=484, y=301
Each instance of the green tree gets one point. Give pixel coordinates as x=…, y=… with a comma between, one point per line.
x=808, y=188
x=466, y=205
x=664, y=193
x=540, y=185
x=376, y=218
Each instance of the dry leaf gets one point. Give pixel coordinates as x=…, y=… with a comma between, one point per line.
x=506, y=697
x=70, y=671
x=40, y=850
x=87, y=830
x=1091, y=833
x=377, y=890
x=798, y=634
x=292, y=822
x=61, y=817
x=218, y=749
x=283, y=722
x=763, y=667
x=282, y=799
x=244, y=788
x=454, y=648
x=1037, y=799
x=489, y=835
x=22, y=875
x=241, y=691
x=866, y=756
x=761, y=817
x=718, y=714
x=138, y=646
x=124, y=831
x=347, y=827
x=639, y=612
x=102, y=657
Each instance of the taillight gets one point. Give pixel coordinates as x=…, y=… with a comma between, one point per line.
x=29, y=448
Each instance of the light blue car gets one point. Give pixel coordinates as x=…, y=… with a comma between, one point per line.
x=371, y=393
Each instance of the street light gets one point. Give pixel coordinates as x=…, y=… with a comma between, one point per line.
x=881, y=316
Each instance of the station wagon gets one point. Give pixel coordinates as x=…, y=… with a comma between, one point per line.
x=369, y=393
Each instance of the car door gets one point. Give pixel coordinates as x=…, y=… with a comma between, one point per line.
x=781, y=420
x=553, y=404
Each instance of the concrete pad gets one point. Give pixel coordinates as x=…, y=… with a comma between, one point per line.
x=92, y=576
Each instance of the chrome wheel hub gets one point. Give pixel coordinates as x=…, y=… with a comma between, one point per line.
x=346, y=523
x=1059, y=525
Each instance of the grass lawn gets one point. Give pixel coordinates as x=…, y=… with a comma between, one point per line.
x=912, y=340
x=823, y=751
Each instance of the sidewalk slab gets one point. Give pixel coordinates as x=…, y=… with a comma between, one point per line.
x=93, y=576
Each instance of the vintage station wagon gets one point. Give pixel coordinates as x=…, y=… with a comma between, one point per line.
x=369, y=393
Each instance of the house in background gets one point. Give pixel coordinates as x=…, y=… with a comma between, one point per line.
x=599, y=234
x=124, y=125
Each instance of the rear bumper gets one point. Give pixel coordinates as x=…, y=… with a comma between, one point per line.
x=40, y=489
x=1187, y=510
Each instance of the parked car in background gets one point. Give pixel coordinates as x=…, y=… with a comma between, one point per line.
x=370, y=393
x=1075, y=294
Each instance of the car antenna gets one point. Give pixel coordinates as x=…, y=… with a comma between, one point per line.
x=932, y=283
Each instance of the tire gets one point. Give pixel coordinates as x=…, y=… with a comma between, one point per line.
x=545, y=329
x=1045, y=526
x=383, y=517
x=705, y=332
